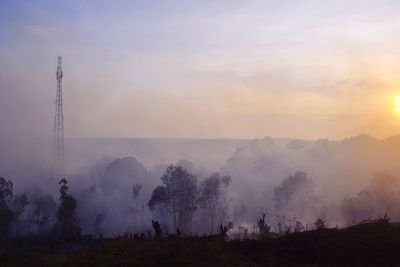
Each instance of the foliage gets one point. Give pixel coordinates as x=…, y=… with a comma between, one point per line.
x=43, y=209
x=159, y=197
x=181, y=195
x=6, y=214
x=295, y=196
x=209, y=197
x=381, y=196
x=292, y=188
x=157, y=229
x=159, y=202
x=11, y=207
x=66, y=213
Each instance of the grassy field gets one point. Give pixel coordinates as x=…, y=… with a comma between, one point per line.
x=373, y=244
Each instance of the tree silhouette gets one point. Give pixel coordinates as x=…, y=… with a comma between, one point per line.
x=223, y=207
x=11, y=207
x=177, y=196
x=181, y=187
x=209, y=198
x=263, y=226
x=43, y=209
x=66, y=213
x=159, y=202
x=136, y=188
x=157, y=229
x=319, y=224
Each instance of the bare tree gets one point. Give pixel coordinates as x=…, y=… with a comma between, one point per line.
x=263, y=227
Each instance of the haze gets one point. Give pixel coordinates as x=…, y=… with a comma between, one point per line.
x=227, y=69
x=293, y=107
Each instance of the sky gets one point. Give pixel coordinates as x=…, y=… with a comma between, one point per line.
x=201, y=69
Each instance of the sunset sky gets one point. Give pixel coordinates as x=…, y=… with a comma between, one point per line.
x=202, y=69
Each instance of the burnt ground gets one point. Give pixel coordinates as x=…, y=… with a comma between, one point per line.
x=369, y=244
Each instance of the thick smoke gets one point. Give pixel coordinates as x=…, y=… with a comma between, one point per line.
x=292, y=181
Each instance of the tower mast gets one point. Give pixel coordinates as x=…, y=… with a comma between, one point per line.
x=58, y=135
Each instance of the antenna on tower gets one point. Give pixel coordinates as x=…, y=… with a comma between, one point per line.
x=58, y=135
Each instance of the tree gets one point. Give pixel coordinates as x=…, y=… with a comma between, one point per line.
x=319, y=224
x=223, y=207
x=159, y=202
x=11, y=207
x=18, y=205
x=209, y=198
x=43, y=210
x=6, y=214
x=381, y=196
x=66, y=213
x=135, y=193
x=263, y=227
x=181, y=187
x=120, y=173
x=177, y=196
x=292, y=188
x=295, y=196
x=157, y=229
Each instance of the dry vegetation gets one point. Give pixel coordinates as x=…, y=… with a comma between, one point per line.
x=367, y=244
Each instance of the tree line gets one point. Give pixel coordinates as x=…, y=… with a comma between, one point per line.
x=173, y=205
x=180, y=196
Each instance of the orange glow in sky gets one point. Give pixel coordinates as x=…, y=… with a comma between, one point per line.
x=397, y=104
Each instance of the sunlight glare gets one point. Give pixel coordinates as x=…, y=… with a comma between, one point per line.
x=397, y=104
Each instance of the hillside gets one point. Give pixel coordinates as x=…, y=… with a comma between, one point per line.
x=370, y=244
